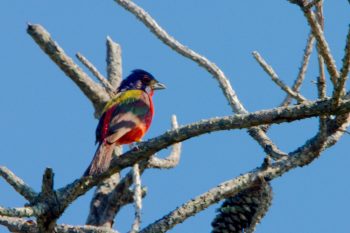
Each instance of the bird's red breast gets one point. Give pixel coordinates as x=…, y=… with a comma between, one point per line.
x=129, y=113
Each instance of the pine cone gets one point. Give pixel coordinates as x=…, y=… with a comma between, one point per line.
x=242, y=212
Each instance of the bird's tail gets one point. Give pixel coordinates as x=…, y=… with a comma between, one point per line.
x=101, y=160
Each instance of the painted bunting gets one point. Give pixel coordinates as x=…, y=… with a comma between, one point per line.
x=125, y=119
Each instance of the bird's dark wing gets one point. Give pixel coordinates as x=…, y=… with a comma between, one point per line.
x=128, y=110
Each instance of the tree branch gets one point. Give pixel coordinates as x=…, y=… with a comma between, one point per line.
x=17, y=212
x=321, y=80
x=21, y=225
x=47, y=184
x=145, y=149
x=162, y=35
x=18, y=184
x=18, y=224
x=137, y=198
x=269, y=70
x=257, y=133
x=301, y=157
x=101, y=201
x=173, y=159
x=201, y=202
x=302, y=70
x=322, y=44
x=97, y=74
x=82, y=229
x=114, y=63
x=339, y=91
x=95, y=93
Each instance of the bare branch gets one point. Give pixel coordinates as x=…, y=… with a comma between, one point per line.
x=201, y=202
x=323, y=45
x=48, y=204
x=83, y=229
x=257, y=133
x=149, y=22
x=100, y=202
x=18, y=224
x=96, y=73
x=339, y=91
x=18, y=184
x=302, y=70
x=145, y=149
x=21, y=225
x=301, y=157
x=114, y=63
x=113, y=200
x=321, y=80
x=95, y=93
x=269, y=70
x=17, y=212
x=137, y=198
x=47, y=185
x=173, y=159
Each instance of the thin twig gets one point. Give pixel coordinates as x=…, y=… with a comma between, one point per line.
x=301, y=74
x=321, y=79
x=96, y=73
x=95, y=93
x=157, y=30
x=302, y=70
x=340, y=89
x=345, y=131
x=18, y=184
x=269, y=70
x=137, y=199
x=322, y=45
x=114, y=63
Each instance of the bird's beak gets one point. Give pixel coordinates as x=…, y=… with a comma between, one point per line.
x=158, y=86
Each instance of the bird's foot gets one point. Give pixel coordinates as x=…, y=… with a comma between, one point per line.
x=134, y=146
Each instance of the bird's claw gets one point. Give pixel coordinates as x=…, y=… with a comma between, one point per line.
x=134, y=146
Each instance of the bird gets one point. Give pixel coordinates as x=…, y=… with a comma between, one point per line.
x=125, y=118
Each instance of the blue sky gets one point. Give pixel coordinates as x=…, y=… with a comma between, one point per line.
x=46, y=120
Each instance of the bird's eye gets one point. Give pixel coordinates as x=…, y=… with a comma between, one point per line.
x=146, y=79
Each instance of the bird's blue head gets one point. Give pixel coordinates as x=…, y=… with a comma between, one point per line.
x=140, y=80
